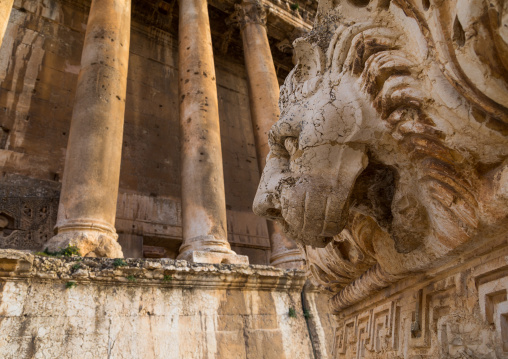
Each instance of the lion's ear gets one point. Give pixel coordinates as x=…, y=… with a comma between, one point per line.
x=309, y=58
x=310, y=65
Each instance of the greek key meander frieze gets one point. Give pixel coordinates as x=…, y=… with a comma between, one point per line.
x=463, y=315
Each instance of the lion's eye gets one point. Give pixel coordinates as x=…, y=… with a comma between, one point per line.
x=291, y=145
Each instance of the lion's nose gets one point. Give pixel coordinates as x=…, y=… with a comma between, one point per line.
x=266, y=206
x=266, y=203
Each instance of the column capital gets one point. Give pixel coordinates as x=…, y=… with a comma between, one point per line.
x=249, y=12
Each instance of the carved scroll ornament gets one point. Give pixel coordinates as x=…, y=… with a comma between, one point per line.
x=394, y=123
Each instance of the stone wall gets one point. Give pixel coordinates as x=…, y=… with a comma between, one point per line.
x=457, y=311
x=90, y=308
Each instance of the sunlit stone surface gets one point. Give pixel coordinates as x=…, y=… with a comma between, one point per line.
x=389, y=167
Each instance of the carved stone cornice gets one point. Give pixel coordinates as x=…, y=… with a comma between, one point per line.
x=16, y=265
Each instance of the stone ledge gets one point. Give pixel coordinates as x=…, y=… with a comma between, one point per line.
x=15, y=263
x=149, y=272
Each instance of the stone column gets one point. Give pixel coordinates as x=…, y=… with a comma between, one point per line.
x=203, y=198
x=5, y=12
x=87, y=209
x=250, y=16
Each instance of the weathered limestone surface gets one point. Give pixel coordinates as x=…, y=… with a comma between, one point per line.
x=390, y=162
x=5, y=11
x=457, y=311
x=203, y=198
x=251, y=17
x=87, y=209
x=148, y=309
x=28, y=210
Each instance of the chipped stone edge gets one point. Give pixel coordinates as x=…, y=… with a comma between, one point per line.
x=167, y=273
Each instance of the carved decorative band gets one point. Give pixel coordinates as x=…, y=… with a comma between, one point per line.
x=371, y=281
x=285, y=257
x=86, y=225
x=206, y=243
x=249, y=12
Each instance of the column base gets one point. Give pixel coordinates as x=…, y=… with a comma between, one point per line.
x=90, y=242
x=209, y=257
x=208, y=249
x=291, y=259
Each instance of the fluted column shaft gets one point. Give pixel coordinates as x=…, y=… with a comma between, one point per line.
x=203, y=197
x=87, y=209
x=264, y=105
x=5, y=12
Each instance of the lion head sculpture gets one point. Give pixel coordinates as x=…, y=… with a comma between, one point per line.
x=396, y=112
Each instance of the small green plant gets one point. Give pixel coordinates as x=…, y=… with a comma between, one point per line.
x=292, y=312
x=70, y=285
x=295, y=6
x=42, y=254
x=306, y=314
x=76, y=266
x=167, y=278
x=119, y=262
x=131, y=278
x=70, y=251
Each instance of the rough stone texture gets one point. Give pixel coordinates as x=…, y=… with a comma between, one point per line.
x=87, y=208
x=390, y=158
x=204, y=224
x=5, y=11
x=458, y=311
x=251, y=17
x=28, y=210
x=148, y=309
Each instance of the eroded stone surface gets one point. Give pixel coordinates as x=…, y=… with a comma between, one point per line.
x=251, y=17
x=391, y=153
x=381, y=134
x=150, y=309
x=92, y=164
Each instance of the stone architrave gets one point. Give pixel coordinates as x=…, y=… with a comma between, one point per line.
x=203, y=197
x=87, y=209
x=250, y=16
x=5, y=12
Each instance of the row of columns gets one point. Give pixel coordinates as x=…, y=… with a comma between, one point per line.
x=87, y=208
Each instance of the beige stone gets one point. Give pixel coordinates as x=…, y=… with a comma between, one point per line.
x=203, y=198
x=364, y=142
x=5, y=11
x=389, y=159
x=86, y=213
x=151, y=309
x=39, y=66
x=250, y=16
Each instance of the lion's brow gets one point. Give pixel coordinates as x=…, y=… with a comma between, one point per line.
x=288, y=127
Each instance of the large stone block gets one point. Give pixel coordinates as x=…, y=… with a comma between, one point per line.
x=148, y=309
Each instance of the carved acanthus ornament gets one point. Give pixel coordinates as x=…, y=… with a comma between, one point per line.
x=286, y=45
x=391, y=152
x=249, y=12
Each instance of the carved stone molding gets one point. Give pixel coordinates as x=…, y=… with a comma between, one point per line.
x=462, y=312
x=248, y=12
x=28, y=210
x=390, y=156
